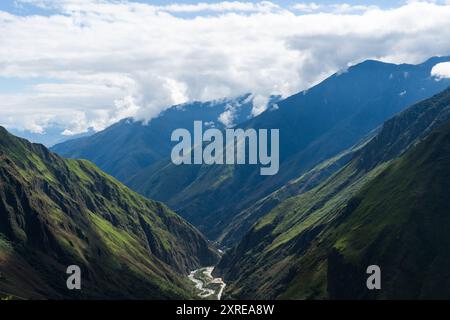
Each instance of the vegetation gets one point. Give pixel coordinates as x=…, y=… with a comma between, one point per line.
x=56, y=212
x=388, y=206
x=315, y=125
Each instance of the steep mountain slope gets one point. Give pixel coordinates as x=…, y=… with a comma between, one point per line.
x=241, y=223
x=56, y=212
x=388, y=206
x=314, y=125
x=128, y=146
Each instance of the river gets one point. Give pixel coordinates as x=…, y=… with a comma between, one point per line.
x=209, y=287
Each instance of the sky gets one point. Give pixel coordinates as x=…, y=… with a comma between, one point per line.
x=80, y=65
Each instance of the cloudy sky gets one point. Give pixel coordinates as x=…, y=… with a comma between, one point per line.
x=80, y=64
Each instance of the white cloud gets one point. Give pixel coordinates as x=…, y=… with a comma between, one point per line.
x=346, y=8
x=441, y=70
x=260, y=103
x=227, y=118
x=263, y=6
x=307, y=7
x=220, y=6
x=107, y=60
x=337, y=8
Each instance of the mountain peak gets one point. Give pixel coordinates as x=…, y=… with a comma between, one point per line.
x=431, y=62
x=371, y=63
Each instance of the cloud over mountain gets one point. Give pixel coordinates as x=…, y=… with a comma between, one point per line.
x=441, y=70
x=89, y=63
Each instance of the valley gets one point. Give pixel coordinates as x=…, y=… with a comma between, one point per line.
x=362, y=179
x=214, y=158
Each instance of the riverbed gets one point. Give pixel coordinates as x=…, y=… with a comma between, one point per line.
x=208, y=286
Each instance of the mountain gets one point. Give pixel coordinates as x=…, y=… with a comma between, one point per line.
x=388, y=206
x=242, y=222
x=129, y=146
x=315, y=125
x=52, y=135
x=57, y=212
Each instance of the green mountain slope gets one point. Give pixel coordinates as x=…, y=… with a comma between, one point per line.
x=397, y=136
x=56, y=212
x=241, y=223
x=388, y=206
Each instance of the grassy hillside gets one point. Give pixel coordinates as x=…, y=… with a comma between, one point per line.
x=399, y=221
x=56, y=212
x=387, y=206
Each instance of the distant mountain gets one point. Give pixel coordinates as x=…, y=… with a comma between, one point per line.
x=388, y=206
x=51, y=136
x=56, y=212
x=127, y=147
x=315, y=125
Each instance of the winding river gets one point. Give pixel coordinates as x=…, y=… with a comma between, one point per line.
x=209, y=287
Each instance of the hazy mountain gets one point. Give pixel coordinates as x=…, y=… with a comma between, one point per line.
x=315, y=125
x=388, y=206
x=56, y=212
x=128, y=146
x=51, y=136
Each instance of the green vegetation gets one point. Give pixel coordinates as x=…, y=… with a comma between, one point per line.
x=56, y=212
x=388, y=206
x=315, y=125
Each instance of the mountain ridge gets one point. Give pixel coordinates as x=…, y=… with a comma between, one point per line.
x=288, y=252
x=57, y=212
x=128, y=146
x=315, y=125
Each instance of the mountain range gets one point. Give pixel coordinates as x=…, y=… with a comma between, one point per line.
x=364, y=180
x=315, y=125
x=388, y=206
x=127, y=147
